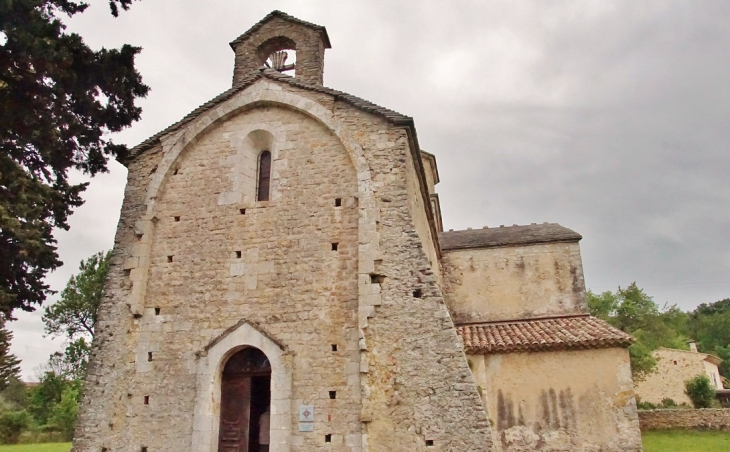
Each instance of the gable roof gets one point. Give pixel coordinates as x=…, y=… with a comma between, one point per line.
x=703, y=356
x=288, y=18
x=502, y=236
x=563, y=333
x=369, y=107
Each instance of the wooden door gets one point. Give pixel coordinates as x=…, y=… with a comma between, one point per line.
x=243, y=399
x=235, y=414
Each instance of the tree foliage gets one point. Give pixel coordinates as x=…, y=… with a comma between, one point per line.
x=75, y=313
x=709, y=325
x=633, y=311
x=9, y=363
x=700, y=391
x=59, y=101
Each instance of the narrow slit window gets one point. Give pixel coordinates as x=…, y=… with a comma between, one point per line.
x=334, y=347
x=338, y=202
x=157, y=311
x=264, y=181
x=146, y=400
x=149, y=356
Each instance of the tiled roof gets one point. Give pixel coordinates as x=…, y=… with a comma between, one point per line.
x=287, y=17
x=389, y=115
x=563, y=333
x=511, y=235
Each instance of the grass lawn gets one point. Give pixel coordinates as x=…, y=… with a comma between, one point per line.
x=682, y=441
x=45, y=447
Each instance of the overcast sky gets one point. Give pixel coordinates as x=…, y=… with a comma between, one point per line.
x=609, y=117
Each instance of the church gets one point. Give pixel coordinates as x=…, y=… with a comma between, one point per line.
x=281, y=281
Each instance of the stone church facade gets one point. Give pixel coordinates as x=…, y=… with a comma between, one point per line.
x=281, y=281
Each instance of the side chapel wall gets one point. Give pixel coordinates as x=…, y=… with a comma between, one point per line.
x=560, y=400
x=514, y=282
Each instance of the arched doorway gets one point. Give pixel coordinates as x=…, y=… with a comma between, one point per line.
x=245, y=402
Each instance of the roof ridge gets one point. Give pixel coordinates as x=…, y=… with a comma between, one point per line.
x=284, y=16
x=367, y=106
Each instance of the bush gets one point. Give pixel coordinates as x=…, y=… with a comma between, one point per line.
x=65, y=413
x=645, y=405
x=668, y=403
x=700, y=391
x=12, y=424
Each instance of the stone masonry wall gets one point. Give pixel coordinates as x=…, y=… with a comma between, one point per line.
x=514, y=282
x=309, y=49
x=705, y=419
x=674, y=367
x=189, y=263
x=579, y=400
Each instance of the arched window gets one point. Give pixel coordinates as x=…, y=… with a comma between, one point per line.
x=264, y=180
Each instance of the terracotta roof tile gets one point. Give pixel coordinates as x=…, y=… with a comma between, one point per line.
x=563, y=333
x=511, y=235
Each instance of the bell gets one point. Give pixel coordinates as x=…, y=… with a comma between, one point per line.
x=278, y=60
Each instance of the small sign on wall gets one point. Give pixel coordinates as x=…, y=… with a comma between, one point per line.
x=306, y=418
x=306, y=413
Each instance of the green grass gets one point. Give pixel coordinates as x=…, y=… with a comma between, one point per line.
x=45, y=447
x=682, y=441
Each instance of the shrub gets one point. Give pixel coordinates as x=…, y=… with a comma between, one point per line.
x=65, y=413
x=12, y=424
x=700, y=391
x=645, y=405
x=668, y=403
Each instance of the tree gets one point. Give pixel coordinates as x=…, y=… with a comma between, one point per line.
x=59, y=101
x=65, y=412
x=710, y=326
x=75, y=313
x=633, y=311
x=700, y=391
x=9, y=363
x=45, y=396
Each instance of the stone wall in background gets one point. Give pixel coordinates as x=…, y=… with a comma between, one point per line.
x=705, y=419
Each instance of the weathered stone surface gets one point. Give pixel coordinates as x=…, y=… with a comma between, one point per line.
x=195, y=255
x=514, y=282
x=576, y=400
x=704, y=419
x=674, y=367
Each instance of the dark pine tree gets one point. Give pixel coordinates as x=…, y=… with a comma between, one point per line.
x=59, y=100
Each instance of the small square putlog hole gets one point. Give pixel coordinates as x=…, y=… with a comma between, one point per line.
x=143, y=449
x=177, y=218
x=429, y=442
x=157, y=311
x=146, y=400
x=376, y=279
x=328, y=438
x=417, y=293
x=242, y=211
x=335, y=245
x=238, y=254
x=169, y=259
x=333, y=395
x=334, y=347
x=338, y=202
